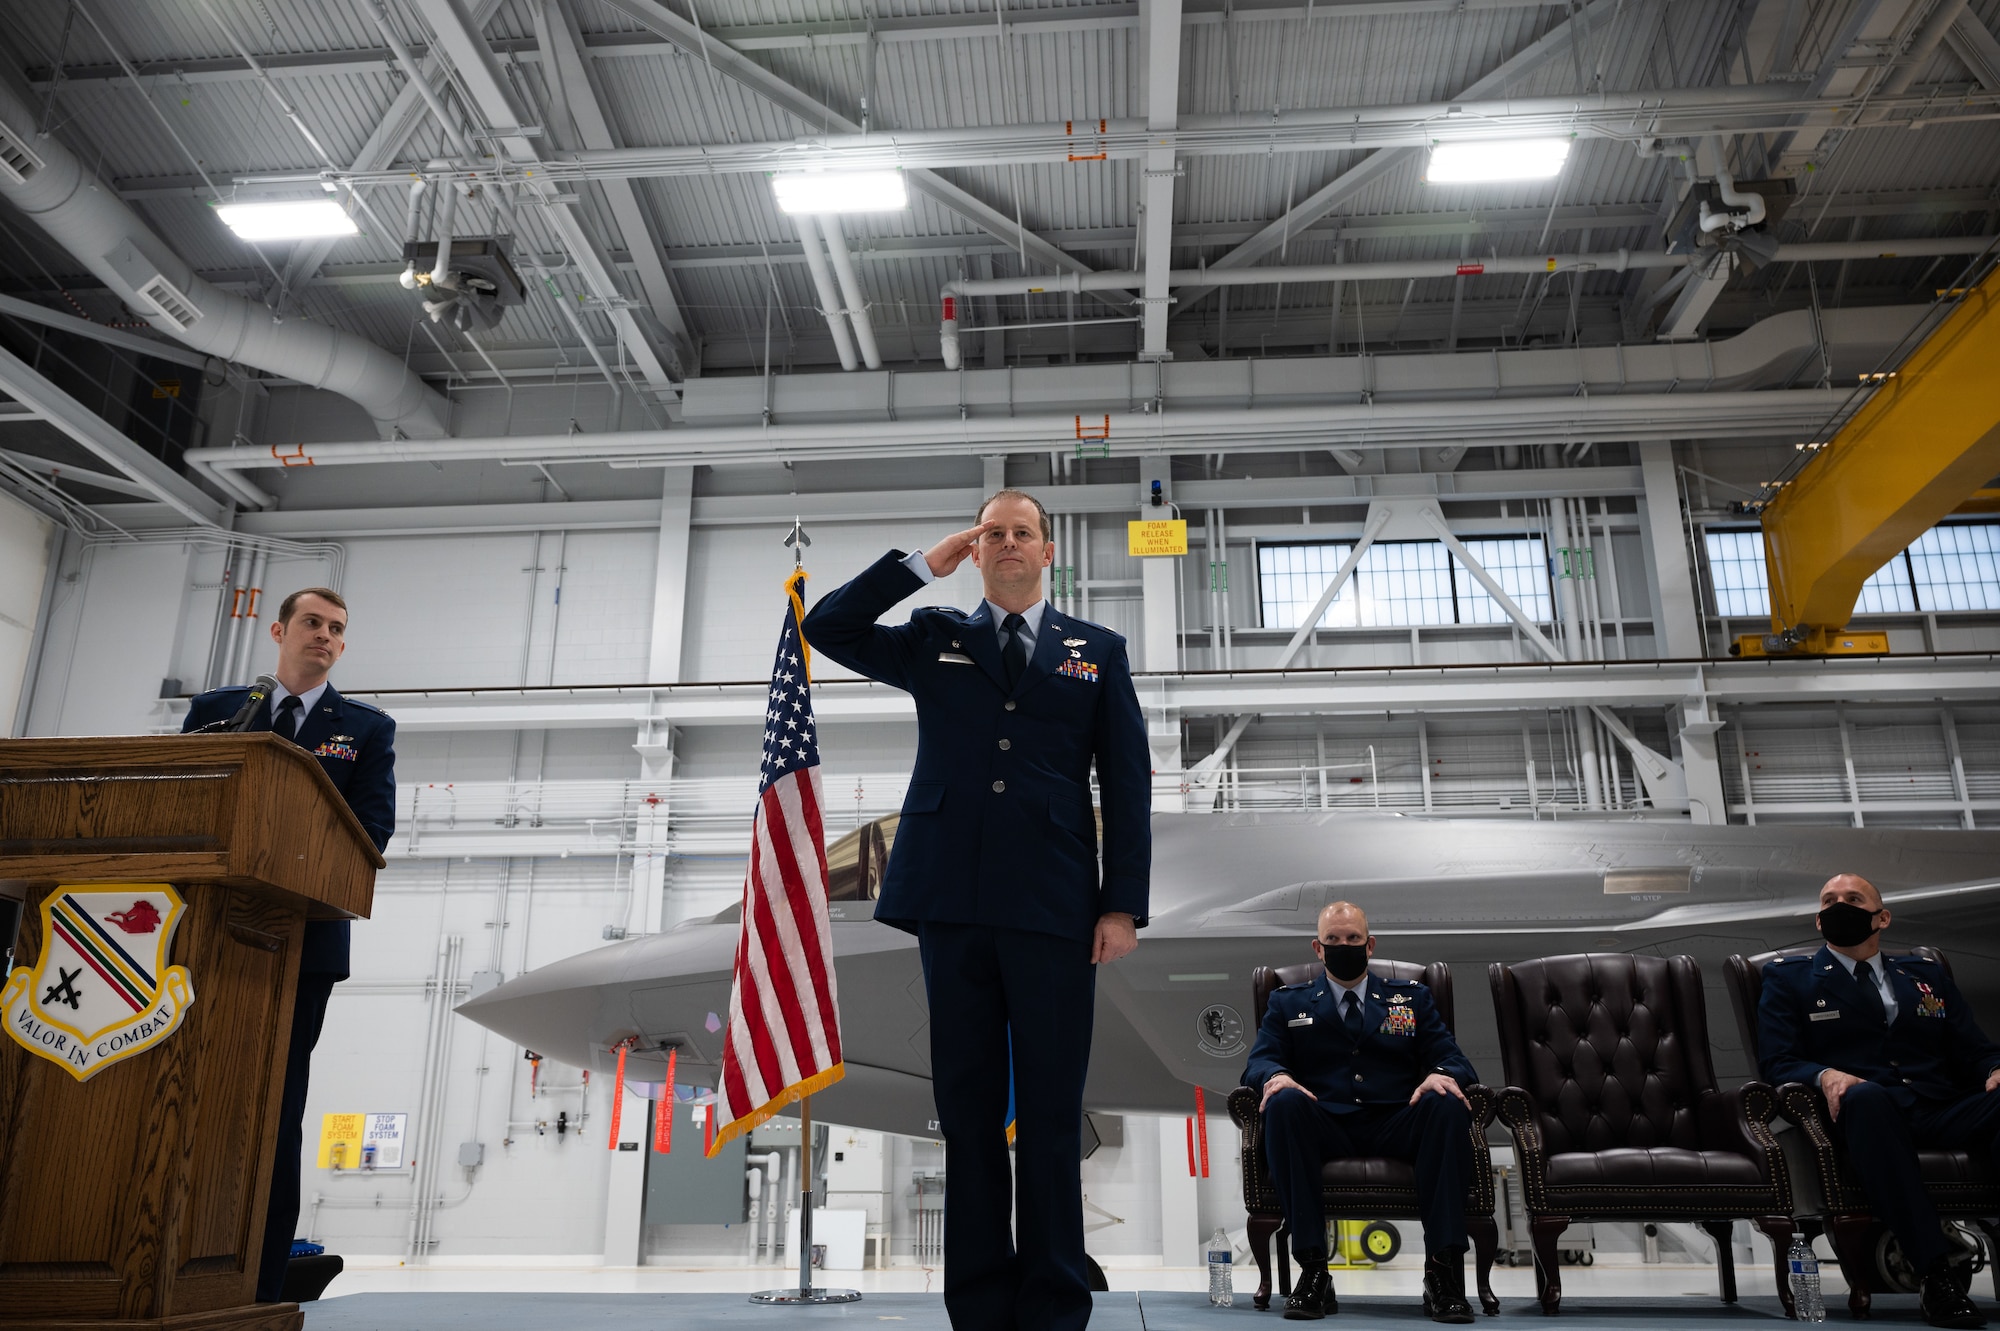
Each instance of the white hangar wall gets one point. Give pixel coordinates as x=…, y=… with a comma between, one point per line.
x=570, y=599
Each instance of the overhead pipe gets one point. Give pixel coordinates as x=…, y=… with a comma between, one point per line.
x=447, y=217
x=88, y=219
x=829, y=299
x=1668, y=114
x=1922, y=47
x=1361, y=425
x=850, y=290
x=1729, y=219
x=1617, y=261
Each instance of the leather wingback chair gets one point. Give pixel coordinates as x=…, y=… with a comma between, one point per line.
x=1616, y=1116
x=1964, y=1185
x=1361, y=1186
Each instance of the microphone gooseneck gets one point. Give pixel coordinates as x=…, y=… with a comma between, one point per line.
x=247, y=713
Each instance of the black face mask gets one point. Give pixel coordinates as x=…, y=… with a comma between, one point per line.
x=1846, y=925
x=1346, y=962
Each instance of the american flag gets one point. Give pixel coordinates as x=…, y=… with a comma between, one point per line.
x=783, y=1041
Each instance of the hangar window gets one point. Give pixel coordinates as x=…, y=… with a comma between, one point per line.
x=1400, y=583
x=1957, y=567
x=1953, y=567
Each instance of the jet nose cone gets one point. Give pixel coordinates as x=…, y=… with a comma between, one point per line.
x=664, y=988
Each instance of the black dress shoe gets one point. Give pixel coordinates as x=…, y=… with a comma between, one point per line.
x=1444, y=1288
x=1313, y=1298
x=1944, y=1301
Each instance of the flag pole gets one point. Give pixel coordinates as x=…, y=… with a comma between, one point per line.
x=804, y=1293
x=806, y=1196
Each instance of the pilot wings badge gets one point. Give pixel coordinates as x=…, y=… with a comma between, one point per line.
x=101, y=990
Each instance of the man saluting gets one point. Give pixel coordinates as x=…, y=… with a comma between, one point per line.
x=995, y=869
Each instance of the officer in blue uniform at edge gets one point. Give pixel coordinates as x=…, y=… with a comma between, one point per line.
x=355, y=744
x=1892, y=1045
x=995, y=869
x=1352, y=1064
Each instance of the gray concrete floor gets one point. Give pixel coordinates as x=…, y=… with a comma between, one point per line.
x=1146, y=1310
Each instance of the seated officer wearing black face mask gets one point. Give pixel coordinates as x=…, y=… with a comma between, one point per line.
x=1350, y=1064
x=1903, y=1066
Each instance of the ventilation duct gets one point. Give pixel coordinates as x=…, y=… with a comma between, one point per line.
x=50, y=186
x=17, y=160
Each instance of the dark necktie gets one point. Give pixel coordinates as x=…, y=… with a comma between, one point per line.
x=1013, y=648
x=1353, y=1014
x=286, y=722
x=1870, y=1000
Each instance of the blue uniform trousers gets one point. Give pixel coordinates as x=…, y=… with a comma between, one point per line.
x=1882, y=1141
x=282, y=1218
x=1434, y=1135
x=987, y=985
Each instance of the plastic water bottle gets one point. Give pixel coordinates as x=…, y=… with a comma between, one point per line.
x=1221, y=1271
x=1804, y=1268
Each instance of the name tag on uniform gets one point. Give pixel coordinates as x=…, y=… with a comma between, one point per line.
x=955, y=658
x=1300, y=1021
x=1824, y=1016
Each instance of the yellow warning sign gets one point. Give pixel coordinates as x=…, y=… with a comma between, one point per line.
x=1156, y=538
x=340, y=1141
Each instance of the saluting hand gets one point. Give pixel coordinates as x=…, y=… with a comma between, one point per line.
x=949, y=553
x=1439, y=1084
x=1993, y=1079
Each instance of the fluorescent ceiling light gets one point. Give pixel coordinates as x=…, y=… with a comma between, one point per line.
x=289, y=219
x=1513, y=159
x=841, y=192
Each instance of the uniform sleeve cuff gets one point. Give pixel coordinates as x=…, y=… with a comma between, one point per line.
x=919, y=564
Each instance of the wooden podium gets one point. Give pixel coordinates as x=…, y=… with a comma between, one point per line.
x=136, y=1198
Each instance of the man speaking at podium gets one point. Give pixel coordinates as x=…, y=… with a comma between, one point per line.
x=356, y=746
x=995, y=869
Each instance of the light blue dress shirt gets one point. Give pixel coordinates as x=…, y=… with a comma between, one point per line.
x=1881, y=975
x=307, y=700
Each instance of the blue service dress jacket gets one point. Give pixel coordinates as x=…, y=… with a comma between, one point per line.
x=997, y=829
x=1809, y=1019
x=355, y=744
x=1403, y=1041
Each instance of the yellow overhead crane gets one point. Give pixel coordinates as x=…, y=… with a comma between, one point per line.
x=1925, y=445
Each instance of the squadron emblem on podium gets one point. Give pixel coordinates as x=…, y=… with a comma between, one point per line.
x=102, y=990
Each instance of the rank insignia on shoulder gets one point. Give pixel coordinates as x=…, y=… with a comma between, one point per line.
x=1077, y=669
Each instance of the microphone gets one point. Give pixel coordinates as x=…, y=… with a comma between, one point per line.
x=244, y=714
x=259, y=691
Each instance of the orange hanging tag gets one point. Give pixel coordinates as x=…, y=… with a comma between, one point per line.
x=1201, y=1127
x=663, y=1111
x=618, y=1097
